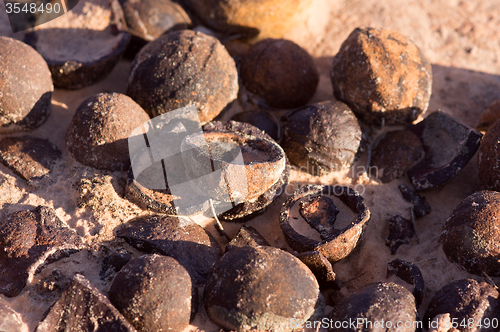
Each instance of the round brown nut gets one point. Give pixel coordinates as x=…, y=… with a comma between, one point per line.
x=261, y=288
x=322, y=137
x=471, y=235
x=489, y=158
x=25, y=87
x=281, y=72
x=255, y=18
x=183, y=68
x=382, y=76
x=154, y=293
x=82, y=46
x=97, y=135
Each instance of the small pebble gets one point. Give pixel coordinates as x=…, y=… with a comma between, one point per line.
x=188, y=243
x=470, y=303
x=489, y=158
x=25, y=87
x=154, y=293
x=10, y=321
x=97, y=135
x=471, y=235
x=379, y=302
x=189, y=68
x=420, y=205
x=281, y=72
x=395, y=153
x=449, y=145
x=401, y=230
x=382, y=76
x=29, y=157
x=82, y=46
x=261, y=289
x=409, y=273
x=25, y=237
x=83, y=308
x=322, y=137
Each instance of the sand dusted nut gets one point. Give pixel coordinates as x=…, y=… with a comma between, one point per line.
x=261, y=288
x=154, y=293
x=489, y=158
x=471, y=235
x=322, y=137
x=249, y=19
x=82, y=46
x=377, y=307
x=25, y=87
x=97, y=135
x=382, y=76
x=188, y=68
x=302, y=234
x=281, y=72
x=471, y=304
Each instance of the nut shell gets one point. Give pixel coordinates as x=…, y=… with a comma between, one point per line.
x=382, y=76
x=489, y=158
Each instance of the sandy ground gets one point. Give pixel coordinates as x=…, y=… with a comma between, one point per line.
x=460, y=38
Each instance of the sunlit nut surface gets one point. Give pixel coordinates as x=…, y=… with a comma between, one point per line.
x=97, y=135
x=261, y=289
x=489, y=158
x=322, y=137
x=82, y=46
x=281, y=72
x=25, y=87
x=183, y=68
x=382, y=76
x=334, y=244
x=471, y=235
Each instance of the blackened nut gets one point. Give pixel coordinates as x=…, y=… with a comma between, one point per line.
x=400, y=231
x=338, y=243
x=188, y=68
x=382, y=76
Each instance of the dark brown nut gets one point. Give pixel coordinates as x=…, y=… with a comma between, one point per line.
x=9, y=319
x=489, y=158
x=97, y=135
x=420, y=205
x=29, y=157
x=25, y=87
x=260, y=120
x=258, y=18
x=325, y=136
x=395, y=153
x=247, y=236
x=409, y=273
x=261, y=289
x=401, y=230
x=448, y=144
x=335, y=244
x=149, y=19
x=188, y=68
x=471, y=235
x=82, y=46
x=490, y=115
x=376, y=307
x=472, y=306
x=26, y=238
x=83, y=308
x=154, y=293
x=321, y=267
x=281, y=72
x=192, y=246
x=382, y=76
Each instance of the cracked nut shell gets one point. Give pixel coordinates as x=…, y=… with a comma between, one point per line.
x=187, y=68
x=336, y=243
x=281, y=72
x=382, y=76
x=25, y=87
x=322, y=137
x=471, y=235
